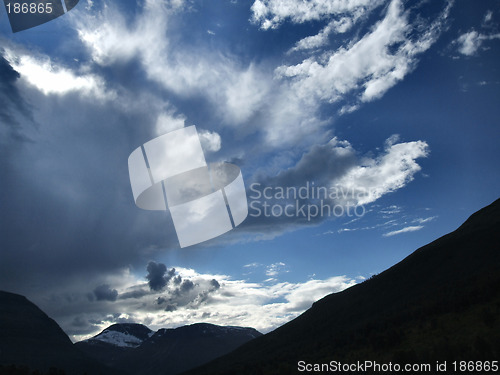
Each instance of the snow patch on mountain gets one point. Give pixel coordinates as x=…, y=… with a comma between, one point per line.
x=120, y=339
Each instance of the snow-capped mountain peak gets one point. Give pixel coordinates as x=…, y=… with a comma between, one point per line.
x=119, y=339
x=124, y=335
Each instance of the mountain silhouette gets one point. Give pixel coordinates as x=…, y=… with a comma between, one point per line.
x=33, y=343
x=29, y=339
x=135, y=349
x=440, y=303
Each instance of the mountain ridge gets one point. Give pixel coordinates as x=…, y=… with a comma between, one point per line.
x=30, y=340
x=168, y=350
x=405, y=313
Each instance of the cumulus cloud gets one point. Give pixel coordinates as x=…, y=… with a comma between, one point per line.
x=169, y=121
x=210, y=141
x=186, y=286
x=158, y=276
x=218, y=299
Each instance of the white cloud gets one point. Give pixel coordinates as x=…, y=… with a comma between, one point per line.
x=404, y=230
x=291, y=120
x=252, y=265
x=391, y=210
x=285, y=109
x=469, y=43
x=168, y=121
x=488, y=17
x=271, y=13
x=275, y=269
x=262, y=305
x=235, y=90
x=341, y=25
x=389, y=172
x=370, y=66
x=421, y=220
x=210, y=141
x=52, y=78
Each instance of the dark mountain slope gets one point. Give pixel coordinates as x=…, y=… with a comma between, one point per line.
x=440, y=303
x=28, y=337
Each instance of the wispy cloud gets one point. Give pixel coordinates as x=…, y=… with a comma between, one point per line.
x=271, y=13
x=368, y=67
x=235, y=90
x=404, y=230
x=275, y=269
x=424, y=220
x=469, y=43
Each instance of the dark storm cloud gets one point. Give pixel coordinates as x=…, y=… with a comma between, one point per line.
x=81, y=326
x=105, y=293
x=158, y=276
x=68, y=212
x=80, y=322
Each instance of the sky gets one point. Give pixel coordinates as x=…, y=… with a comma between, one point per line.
x=363, y=130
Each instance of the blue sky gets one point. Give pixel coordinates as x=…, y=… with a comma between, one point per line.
x=395, y=99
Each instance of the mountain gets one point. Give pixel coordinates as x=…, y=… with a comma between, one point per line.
x=125, y=335
x=135, y=349
x=29, y=338
x=31, y=341
x=440, y=303
x=171, y=351
x=112, y=345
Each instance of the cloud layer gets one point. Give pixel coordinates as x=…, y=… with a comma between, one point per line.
x=188, y=296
